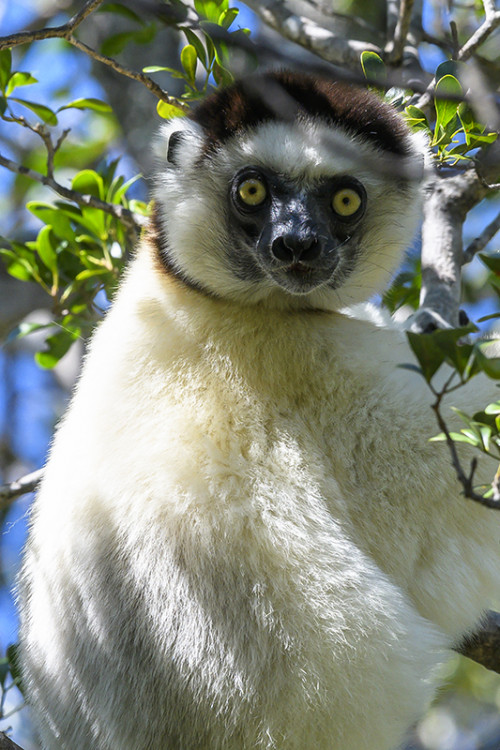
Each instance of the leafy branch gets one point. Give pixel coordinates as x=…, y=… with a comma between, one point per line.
x=482, y=431
x=66, y=31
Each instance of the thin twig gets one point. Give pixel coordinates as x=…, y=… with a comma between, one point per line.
x=491, y=22
x=129, y=73
x=51, y=32
x=325, y=43
x=22, y=486
x=395, y=47
x=480, y=242
x=129, y=218
x=65, y=31
x=465, y=481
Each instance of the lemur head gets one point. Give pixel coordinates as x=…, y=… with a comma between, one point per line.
x=287, y=190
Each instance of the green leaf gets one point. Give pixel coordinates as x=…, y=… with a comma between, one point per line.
x=155, y=68
x=188, y=61
x=90, y=103
x=227, y=17
x=4, y=671
x=197, y=44
x=118, y=193
x=57, y=346
x=15, y=667
x=429, y=357
x=24, y=329
x=416, y=119
x=210, y=9
x=116, y=43
x=51, y=215
x=373, y=67
x=492, y=261
x=169, y=111
x=221, y=75
x=45, y=248
x=446, y=109
x=5, y=67
x=94, y=220
x=43, y=112
x=456, y=354
x=3, y=105
x=449, y=68
x=89, y=182
x=91, y=273
x=121, y=10
x=489, y=365
x=493, y=408
x=19, y=268
x=19, y=79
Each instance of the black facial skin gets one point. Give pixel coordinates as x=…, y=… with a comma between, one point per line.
x=294, y=236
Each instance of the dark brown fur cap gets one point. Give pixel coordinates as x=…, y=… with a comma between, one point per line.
x=288, y=96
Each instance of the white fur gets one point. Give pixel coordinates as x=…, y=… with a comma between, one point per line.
x=244, y=540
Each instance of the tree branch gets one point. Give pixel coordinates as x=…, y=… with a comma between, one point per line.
x=22, y=486
x=7, y=744
x=129, y=218
x=395, y=47
x=310, y=35
x=491, y=22
x=479, y=243
x=129, y=73
x=65, y=31
x=446, y=205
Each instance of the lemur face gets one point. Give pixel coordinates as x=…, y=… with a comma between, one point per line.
x=307, y=202
x=299, y=236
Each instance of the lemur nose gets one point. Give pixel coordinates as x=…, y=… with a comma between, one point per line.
x=293, y=248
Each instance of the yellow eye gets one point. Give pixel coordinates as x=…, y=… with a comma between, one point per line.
x=345, y=202
x=252, y=191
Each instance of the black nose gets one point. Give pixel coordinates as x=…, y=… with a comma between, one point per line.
x=292, y=248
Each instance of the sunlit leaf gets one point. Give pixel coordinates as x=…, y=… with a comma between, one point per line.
x=373, y=67
x=5, y=67
x=46, y=249
x=169, y=111
x=56, y=347
x=489, y=365
x=227, y=17
x=89, y=182
x=446, y=108
x=49, y=214
x=197, y=44
x=17, y=267
x=188, y=61
x=19, y=79
x=43, y=112
x=210, y=9
x=97, y=105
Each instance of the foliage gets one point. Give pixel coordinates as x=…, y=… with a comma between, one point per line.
x=79, y=252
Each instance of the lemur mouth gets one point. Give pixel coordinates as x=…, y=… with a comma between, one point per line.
x=299, y=269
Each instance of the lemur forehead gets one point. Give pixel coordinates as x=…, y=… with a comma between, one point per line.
x=304, y=151
x=289, y=97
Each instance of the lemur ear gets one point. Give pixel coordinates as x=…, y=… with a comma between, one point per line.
x=173, y=143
